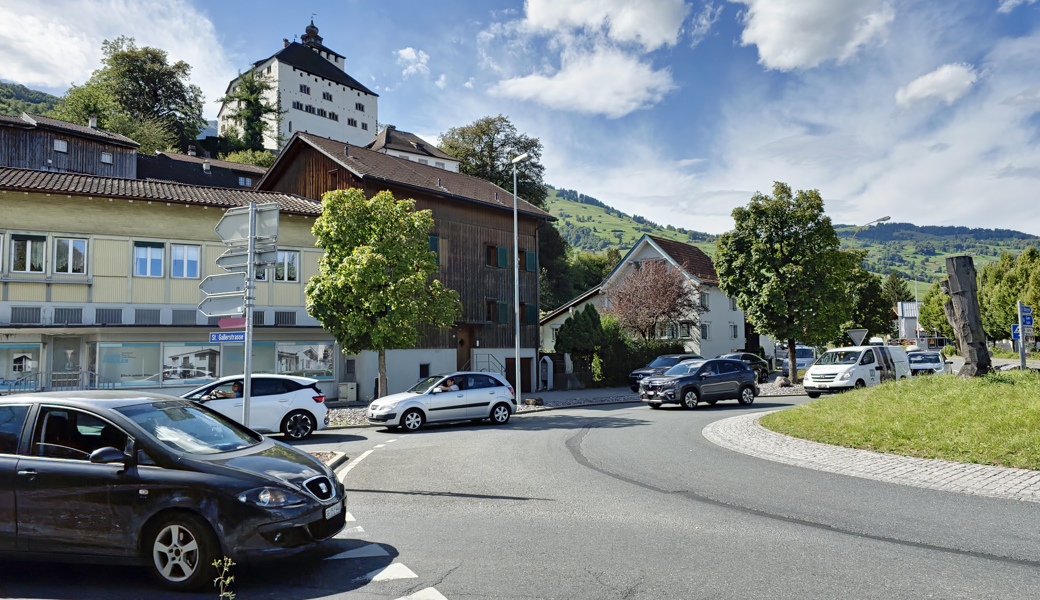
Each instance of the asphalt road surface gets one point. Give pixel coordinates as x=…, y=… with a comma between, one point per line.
x=616, y=502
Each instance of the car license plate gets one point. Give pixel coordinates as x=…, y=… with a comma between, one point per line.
x=333, y=510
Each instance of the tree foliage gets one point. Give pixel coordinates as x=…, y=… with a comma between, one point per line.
x=486, y=147
x=783, y=265
x=897, y=290
x=1002, y=284
x=581, y=335
x=16, y=99
x=652, y=294
x=374, y=288
x=931, y=315
x=251, y=110
x=871, y=309
x=258, y=158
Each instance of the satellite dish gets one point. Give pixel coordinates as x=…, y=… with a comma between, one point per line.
x=857, y=335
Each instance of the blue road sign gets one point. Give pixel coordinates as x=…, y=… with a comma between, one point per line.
x=1027, y=310
x=223, y=337
x=1027, y=320
x=1014, y=332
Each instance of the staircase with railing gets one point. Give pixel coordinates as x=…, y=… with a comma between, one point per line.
x=486, y=363
x=58, y=381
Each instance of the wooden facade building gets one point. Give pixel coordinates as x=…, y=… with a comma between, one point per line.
x=46, y=144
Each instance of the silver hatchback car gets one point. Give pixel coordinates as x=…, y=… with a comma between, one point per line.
x=459, y=396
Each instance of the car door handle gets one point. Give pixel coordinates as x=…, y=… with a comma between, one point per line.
x=458, y=395
x=30, y=473
x=238, y=405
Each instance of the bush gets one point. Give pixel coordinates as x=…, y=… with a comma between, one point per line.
x=617, y=355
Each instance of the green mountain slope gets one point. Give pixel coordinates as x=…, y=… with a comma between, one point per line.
x=16, y=99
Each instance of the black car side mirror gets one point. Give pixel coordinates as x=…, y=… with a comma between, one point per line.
x=107, y=455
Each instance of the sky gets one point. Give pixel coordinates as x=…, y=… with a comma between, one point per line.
x=679, y=111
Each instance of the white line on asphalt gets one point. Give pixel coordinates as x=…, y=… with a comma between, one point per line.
x=394, y=571
x=391, y=442
x=380, y=445
x=343, y=473
x=425, y=594
x=349, y=517
x=348, y=533
x=366, y=551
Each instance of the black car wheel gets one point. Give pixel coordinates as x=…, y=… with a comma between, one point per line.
x=813, y=395
x=634, y=388
x=500, y=414
x=181, y=549
x=412, y=420
x=690, y=399
x=298, y=425
x=860, y=384
x=654, y=405
x=747, y=395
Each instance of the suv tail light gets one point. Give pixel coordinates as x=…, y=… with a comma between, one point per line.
x=319, y=399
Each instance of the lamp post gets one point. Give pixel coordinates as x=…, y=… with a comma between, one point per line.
x=881, y=220
x=516, y=280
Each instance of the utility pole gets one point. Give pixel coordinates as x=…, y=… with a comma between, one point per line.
x=247, y=377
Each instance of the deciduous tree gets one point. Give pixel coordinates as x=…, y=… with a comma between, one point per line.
x=652, y=294
x=486, y=147
x=784, y=266
x=374, y=288
x=258, y=158
x=932, y=316
x=871, y=308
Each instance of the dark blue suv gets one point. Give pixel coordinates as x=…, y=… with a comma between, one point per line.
x=694, y=381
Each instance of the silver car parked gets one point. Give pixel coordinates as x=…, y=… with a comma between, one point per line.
x=459, y=396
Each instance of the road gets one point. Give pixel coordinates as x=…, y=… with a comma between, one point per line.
x=619, y=502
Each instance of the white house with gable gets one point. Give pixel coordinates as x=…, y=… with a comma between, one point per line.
x=717, y=329
x=314, y=94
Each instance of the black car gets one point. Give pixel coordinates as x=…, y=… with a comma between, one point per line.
x=757, y=364
x=693, y=381
x=656, y=367
x=154, y=480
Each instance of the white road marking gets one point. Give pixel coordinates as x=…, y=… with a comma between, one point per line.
x=348, y=533
x=349, y=517
x=425, y=594
x=343, y=472
x=394, y=571
x=380, y=445
x=367, y=551
x=391, y=442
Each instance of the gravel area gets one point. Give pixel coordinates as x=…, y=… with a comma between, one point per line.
x=344, y=417
x=772, y=389
x=325, y=457
x=579, y=402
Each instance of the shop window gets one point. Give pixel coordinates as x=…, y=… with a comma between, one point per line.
x=306, y=359
x=129, y=365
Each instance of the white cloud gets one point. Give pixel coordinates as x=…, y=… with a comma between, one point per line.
x=469, y=84
x=441, y=81
x=1007, y=6
x=414, y=61
x=651, y=23
x=604, y=81
x=53, y=44
x=800, y=34
x=948, y=83
x=703, y=21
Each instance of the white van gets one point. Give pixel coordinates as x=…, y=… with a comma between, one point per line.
x=843, y=369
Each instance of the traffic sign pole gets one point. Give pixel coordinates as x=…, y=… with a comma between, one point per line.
x=250, y=296
x=1021, y=335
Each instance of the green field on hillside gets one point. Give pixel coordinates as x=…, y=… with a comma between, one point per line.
x=16, y=99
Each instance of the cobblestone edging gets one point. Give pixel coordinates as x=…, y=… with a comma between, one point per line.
x=744, y=434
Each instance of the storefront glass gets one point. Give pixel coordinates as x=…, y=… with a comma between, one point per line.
x=129, y=365
x=234, y=358
x=18, y=360
x=306, y=359
x=185, y=364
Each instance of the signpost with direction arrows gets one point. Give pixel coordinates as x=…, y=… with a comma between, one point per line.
x=251, y=235
x=1025, y=331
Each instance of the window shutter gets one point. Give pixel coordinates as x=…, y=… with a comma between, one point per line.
x=435, y=247
x=503, y=311
x=532, y=313
x=503, y=257
x=532, y=261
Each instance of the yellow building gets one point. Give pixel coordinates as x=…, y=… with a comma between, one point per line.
x=99, y=285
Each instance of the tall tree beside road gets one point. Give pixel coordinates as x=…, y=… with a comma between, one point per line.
x=932, y=315
x=374, y=288
x=486, y=147
x=897, y=290
x=1002, y=284
x=653, y=294
x=871, y=308
x=580, y=335
x=251, y=109
x=784, y=266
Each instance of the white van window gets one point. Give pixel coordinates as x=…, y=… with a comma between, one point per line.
x=868, y=358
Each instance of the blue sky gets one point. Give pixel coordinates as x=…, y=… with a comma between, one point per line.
x=925, y=111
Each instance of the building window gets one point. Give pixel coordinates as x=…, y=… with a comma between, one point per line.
x=733, y=304
x=322, y=113
x=705, y=331
x=70, y=256
x=359, y=106
x=364, y=126
x=404, y=156
x=424, y=371
x=423, y=161
x=305, y=89
x=497, y=312
x=498, y=257
x=684, y=330
x=733, y=332
x=106, y=158
x=704, y=301
x=297, y=105
x=435, y=247
x=61, y=146
x=146, y=316
x=148, y=259
x=245, y=181
x=333, y=116
x=352, y=122
x=268, y=68
x=184, y=261
x=439, y=165
x=326, y=96
x=286, y=269
x=309, y=109
x=27, y=254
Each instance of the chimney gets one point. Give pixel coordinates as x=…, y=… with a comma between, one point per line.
x=93, y=121
x=346, y=150
x=285, y=43
x=191, y=150
x=205, y=167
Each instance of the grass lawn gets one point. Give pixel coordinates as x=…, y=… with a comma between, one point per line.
x=993, y=420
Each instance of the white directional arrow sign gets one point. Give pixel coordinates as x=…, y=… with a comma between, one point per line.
x=220, y=285
x=233, y=228
x=223, y=306
x=229, y=260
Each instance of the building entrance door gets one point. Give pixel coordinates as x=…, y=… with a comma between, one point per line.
x=525, y=373
x=66, y=363
x=463, y=343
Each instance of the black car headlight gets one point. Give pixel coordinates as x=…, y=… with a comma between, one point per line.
x=270, y=497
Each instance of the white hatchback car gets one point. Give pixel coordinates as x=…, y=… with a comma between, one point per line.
x=472, y=397
x=291, y=405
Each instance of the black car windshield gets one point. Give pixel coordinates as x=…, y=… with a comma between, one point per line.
x=685, y=368
x=924, y=357
x=188, y=427
x=803, y=353
x=839, y=357
x=664, y=361
x=424, y=386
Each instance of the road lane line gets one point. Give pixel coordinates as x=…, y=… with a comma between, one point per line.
x=425, y=594
x=394, y=571
x=380, y=445
x=349, y=518
x=366, y=551
x=343, y=473
x=391, y=442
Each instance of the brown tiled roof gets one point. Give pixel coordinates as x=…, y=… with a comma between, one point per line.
x=690, y=258
x=30, y=180
x=227, y=164
x=80, y=130
x=391, y=138
x=368, y=164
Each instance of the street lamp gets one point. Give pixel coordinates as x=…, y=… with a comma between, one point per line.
x=881, y=220
x=516, y=279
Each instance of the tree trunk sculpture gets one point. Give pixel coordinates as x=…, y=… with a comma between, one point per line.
x=964, y=315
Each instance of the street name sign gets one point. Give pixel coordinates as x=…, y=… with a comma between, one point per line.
x=223, y=306
x=234, y=226
x=220, y=285
x=1027, y=320
x=223, y=337
x=1027, y=310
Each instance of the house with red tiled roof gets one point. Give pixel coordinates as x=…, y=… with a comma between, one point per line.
x=717, y=328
